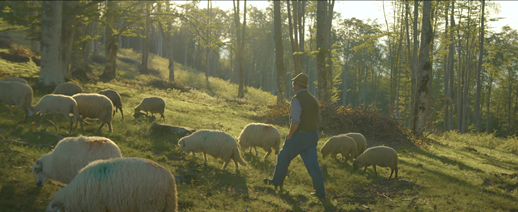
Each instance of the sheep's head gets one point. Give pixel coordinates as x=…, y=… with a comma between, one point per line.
x=31, y=113
x=37, y=170
x=55, y=207
x=181, y=144
x=356, y=165
x=324, y=153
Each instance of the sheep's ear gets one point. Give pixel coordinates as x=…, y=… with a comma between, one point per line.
x=59, y=206
x=39, y=165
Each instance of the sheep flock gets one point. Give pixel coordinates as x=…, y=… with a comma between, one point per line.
x=94, y=167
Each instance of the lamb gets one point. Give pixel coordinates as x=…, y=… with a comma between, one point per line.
x=383, y=156
x=15, y=79
x=68, y=89
x=92, y=105
x=153, y=105
x=56, y=104
x=72, y=154
x=342, y=144
x=216, y=143
x=361, y=142
x=118, y=185
x=115, y=98
x=262, y=135
x=15, y=93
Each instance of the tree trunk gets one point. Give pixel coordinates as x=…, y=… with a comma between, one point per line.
x=413, y=68
x=480, y=58
x=51, y=71
x=424, y=72
x=207, y=73
x=488, y=101
x=466, y=78
x=77, y=66
x=111, y=46
x=344, y=75
x=168, y=38
x=241, y=45
x=321, y=56
x=459, y=83
x=302, y=25
x=279, y=53
x=67, y=35
x=145, y=42
x=327, y=43
x=35, y=43
x=446, y=76
x=509, y=99
x=294, y=42
x=95, y=46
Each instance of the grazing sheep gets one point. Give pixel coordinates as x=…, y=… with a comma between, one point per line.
x=118, y=185
x=68, y=89
x=55, y=104
x=262, y=135
x=92, y=105
x=72, y=154
x=15, y=93
x=115, y=98
x=216, y=143
x=361, y=142
x=342, y=144
x=15, y=79
x=153, y=105
x=383, y=156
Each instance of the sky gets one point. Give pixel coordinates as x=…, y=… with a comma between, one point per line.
x=374, y=9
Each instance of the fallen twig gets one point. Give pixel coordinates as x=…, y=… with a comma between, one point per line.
x=55, y=135
x=384, y=196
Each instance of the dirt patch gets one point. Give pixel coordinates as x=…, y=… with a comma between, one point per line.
x=164, y=85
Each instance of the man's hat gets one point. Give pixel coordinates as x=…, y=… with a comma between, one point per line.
x=301, y=79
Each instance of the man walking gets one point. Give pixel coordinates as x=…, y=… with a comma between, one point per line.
x=303, y=137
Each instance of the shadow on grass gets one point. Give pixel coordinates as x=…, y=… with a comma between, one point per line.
x=259, y=163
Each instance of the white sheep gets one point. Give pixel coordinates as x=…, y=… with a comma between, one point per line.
x=262, y=135
x=118, y=185
x=361, y=142
x=342, y=144
x=68, y=88
x=218, y=144
x=383, y=156
x=72, y=154
x=92, y=105
x=115, y=98
x=15, y=93
x=153, y=105
x=15, y=79
x=55, y=104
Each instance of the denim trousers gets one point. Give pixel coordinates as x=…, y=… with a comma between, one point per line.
x=305, y=145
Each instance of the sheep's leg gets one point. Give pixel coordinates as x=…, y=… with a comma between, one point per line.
x=101, y=126
x=225, y=164
x=375, y=170
x=250, y=150
x=237, y=165
x=391, y=172
x=205, y=157
x=162, y=116
x=41, y=117
x=267, y=154
x=193, y=154
x=69, y=120
x=255, y=151
x=110, y=127
x=396, y=173
x=55, y=123
x=10, y=111
x=81, y=123
x=365, y=169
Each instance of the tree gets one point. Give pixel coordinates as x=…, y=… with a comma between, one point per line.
x=279, y=53
x=145, y=40
x=424, y=72
x=480, y=58
x=240, y=45
x=51, y=70
x=321, y=48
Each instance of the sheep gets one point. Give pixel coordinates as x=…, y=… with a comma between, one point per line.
x=342, y=144
x=118, y=185
x=15, y=79
x=15, y=93
x=361, y=142
x=153, y=105
x=72, y=154
x=68, y=89
x=92, y=105
x=216, y=143
x=262, y=135
x=56, y=104
x=383, y=156
x=115, y=98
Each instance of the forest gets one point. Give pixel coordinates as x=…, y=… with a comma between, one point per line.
x=379, y=64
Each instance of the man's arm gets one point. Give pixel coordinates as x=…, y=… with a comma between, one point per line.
x=293, y=128
x=295, y=112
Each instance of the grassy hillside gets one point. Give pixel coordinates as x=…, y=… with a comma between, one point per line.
x=453, y=173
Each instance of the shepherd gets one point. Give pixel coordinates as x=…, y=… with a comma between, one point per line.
x=302, y=139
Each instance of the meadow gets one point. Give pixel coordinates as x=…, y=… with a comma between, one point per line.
x=452, y=172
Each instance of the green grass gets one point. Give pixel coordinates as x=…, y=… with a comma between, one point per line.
x=455, y=173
